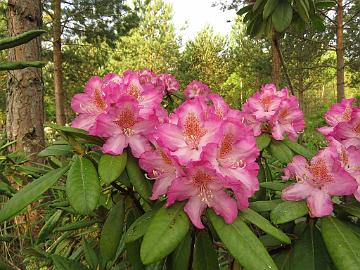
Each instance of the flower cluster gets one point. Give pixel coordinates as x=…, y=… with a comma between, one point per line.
x=202, y=152
x=335, y=170
x=274, y=112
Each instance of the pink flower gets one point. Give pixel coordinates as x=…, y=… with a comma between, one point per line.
x=170, y=82
x=318, y=181
x=338, y=113
x=189, y=131
x=161, y=167
x=349, y=132
x=234, y=157
x=221, y=110
x=123, y=126
x=89, y=104
x=203, y=188
x=196, y=89
x=350, y=160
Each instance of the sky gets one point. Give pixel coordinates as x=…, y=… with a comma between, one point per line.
x=199, y=13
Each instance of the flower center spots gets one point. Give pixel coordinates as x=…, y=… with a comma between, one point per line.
x=126, y=120
x=226, y=145
x=193, y=131
x=320, y=172
x=219, y=112
x=265, y=102
x=98, y=100
x=347, y=113
x=134, y=91
x=201, y=179
x=357, y=129
x=283, y=113
x=165, y=158
x=343, y=156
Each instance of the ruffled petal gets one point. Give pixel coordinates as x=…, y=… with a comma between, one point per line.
x=297, y=192
x=224, y=206
x=194, y=208
x=319, y=204
x=115, y=145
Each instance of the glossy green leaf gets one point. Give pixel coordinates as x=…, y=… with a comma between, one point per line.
x=264, y=206
x=269, y=8
x=309, y=251
x=282, y=259
x=242, y=243
x=205, y=257
x=62, y=263
x=302, y=10
x=30, y=193
x=139, y=227
x=282, y=16
x=341, y=242
x=288, y=211
x=180, y=258
x=90, y=254
x=264, y=225
x=351, y=209
x=257, y=4
x=133, y=248
x=280, y=151
x=166, y=230
x=57, y=150
x=137, y=178
x=49, y=226
x=275, y=185
x=111, y=167
x=263, y=141
x=83, y=186
x=299, y=149
x=244, y=10
x=112, y=231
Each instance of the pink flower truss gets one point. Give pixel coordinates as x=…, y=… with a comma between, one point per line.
x=317, y=181
x=338, y=113
x=274, y=112
x=349, y=132
x=196, y=89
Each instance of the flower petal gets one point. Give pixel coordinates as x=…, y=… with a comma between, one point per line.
x=115, y=145
x=224, y=206
x=297, y=192
x=319, y=204
x=194, y=208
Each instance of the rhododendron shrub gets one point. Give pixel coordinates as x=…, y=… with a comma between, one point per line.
x=160, y=177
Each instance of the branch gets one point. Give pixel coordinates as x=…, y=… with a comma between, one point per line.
x=352, y=17
x=325, y=15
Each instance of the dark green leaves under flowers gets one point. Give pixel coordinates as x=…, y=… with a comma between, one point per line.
x=82, y=185
x=111, y=167
x=288, y=211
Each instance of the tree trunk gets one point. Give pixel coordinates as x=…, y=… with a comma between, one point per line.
x=275, y=64
x=24, y=104
x=59, y=94
x=340, y=88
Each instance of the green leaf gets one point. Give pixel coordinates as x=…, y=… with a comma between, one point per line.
x=264, y=206
x=341, y=242
x=133, y=248
x=302, y=10
x=299, y=149
x=257, y=4
x=180, y=258
x=264, y=225
x=280, y=151
x=282, y=259
x=205, y=257
x=166, y=230
x=351, y=209
x=282, y=16
x=288, y=211
x=309, y=251
x=325, y=4
x=90, y=255
x=49, y=226
x=111, y=167
x=242, y=243
x=57, y=150
x=13, y=65
x=76, y=225
x=318, y=22
x=269, y=8
x=82, y=186
x=112, y=231
x=244, y=10
x=30, y=193
x=275, y=185
x=137, y=178
x=62, y=263
x=263, y=141
x=138, y=228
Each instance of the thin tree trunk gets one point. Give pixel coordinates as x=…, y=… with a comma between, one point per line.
x=275, y=64
x=59, y=94
x=340, y=91
x=24, y=104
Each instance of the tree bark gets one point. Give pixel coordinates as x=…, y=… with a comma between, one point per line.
x=59, y=94
x=24, y=103
x=275, y=64
x=340, y=86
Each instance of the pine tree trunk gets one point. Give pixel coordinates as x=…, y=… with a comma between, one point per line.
x=340, y=88
x=275, y=64
x=25, y=112
x=59, y=94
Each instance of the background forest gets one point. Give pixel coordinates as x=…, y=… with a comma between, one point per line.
x=315, y=51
